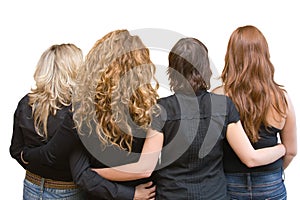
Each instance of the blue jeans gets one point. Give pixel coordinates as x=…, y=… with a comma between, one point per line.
x=32, y=191
x=256, y=186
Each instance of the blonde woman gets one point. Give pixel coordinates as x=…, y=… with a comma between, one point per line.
x=113, y=103
x=39, y=114
x=266, y=111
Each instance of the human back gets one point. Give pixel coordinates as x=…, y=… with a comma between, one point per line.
x=195, y=124
x=266, y=114
x=99, y=79
x=185, y=139
x=248, y=78
x=191, y=166
x=55, y=78
x=114, y=87
x=113, y=102
x=37, y=117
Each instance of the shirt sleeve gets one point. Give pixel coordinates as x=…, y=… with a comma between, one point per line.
x=93, y=183
x=17, y=142
x=159, y=119
x=59, y=147
x=233, y=114
x=66, y=144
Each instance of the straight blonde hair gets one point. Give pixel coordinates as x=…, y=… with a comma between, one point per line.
x=54, y=76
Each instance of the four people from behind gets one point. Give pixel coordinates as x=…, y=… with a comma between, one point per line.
x=115, y=109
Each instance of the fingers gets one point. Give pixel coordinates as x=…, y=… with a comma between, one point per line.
x=145, y=191
x=148, y=184
x=152, y=192
x=152, y=189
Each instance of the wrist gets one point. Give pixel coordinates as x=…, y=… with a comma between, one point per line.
x=283, y=149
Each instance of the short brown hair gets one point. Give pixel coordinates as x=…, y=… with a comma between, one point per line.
x=189, y=66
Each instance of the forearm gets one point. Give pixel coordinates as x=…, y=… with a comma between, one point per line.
x=113, y=174
x=94, y=184
x=141, y=169
x=99, y=187
x=58, y=148
x=15, y=150
x=241, y=145
x=133, y=171
x=288, y=135
x=17, y=143
x=266, y=155
x=17, y=155
x=40, y=155
x=287, y=159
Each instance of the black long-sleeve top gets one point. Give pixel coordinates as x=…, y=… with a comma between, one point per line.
x=84, y=153
x=24, y=135
x=63, y=156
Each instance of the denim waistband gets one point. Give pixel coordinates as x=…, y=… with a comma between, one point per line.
x=256, y=178
x=278, y=170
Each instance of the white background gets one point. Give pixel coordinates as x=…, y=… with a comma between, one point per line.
x=29, y=27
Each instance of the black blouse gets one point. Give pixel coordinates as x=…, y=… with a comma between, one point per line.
x=24, y=135
x=268, y=138
x=62, y=156
x=194, y=128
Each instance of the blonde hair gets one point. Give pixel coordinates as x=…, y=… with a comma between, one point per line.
x=248, y=77
x=54, y=78
x=114, y=88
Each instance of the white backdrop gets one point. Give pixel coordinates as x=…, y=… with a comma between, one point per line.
x=29, y=27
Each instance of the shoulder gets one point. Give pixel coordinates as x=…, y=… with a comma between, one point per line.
x=290, y=106
x=218, y=90
x=221, y=102
x=24, y=99
x=64, y=113
x=221, y=98
x=64, y=110
x=166, y=100
x=23, y=104
x=287, y=97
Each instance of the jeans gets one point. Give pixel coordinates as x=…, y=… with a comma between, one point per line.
x=256, y=186
x=32, y=191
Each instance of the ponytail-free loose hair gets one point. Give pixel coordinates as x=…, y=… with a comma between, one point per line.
x=114, y=89
x=54, y=77
x=189, y=68
x=248, y=78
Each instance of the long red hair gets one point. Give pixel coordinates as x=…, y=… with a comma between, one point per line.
x=248, y=78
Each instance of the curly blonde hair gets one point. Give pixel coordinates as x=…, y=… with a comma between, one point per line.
x=114, y=89
x=54, y=77
x=248, y=77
